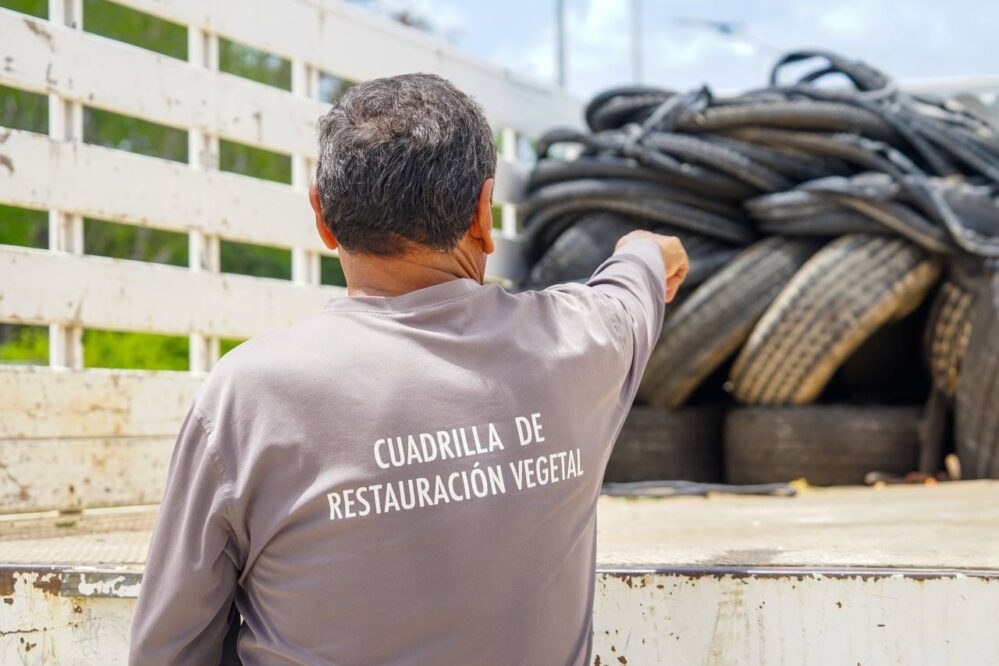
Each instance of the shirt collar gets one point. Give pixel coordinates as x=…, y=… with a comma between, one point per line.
x=413, y=300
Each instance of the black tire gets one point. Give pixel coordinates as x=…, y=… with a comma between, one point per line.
x=827, y=445
x=948, y=334
x=578, y=250
x=661, y=444
x=833, y=304
x=977, y=403
x=584, y=245
x=717, y=318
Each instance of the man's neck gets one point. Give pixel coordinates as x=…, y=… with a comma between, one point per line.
x=369, y=275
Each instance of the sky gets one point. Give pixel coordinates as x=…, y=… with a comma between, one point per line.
x=906, y=39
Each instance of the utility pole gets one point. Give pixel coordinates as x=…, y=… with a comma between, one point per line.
x=636, y=40
x=560, y=45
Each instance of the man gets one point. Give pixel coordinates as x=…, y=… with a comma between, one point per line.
x=411, y=475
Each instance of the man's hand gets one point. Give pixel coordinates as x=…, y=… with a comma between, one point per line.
x=674, y=258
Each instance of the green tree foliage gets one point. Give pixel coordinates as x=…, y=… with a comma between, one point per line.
x=24, y=110
x=258, y=260
x=256, y=162
x=134, y=27
x=254, y=64
x=123, y=241
x=114, y=130
x=24, y=345
x=21, y=226
x=115, y=349
x=39, y=8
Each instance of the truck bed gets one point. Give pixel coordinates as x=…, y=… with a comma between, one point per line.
x=900, y=574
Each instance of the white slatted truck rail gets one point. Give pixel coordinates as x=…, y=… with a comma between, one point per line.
x=849, y=576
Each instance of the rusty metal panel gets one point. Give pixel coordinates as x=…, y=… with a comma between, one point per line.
x=731, y=616
x=721, y=616
x=39, y=624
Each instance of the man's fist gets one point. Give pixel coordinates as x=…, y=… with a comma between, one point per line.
x=674, y=258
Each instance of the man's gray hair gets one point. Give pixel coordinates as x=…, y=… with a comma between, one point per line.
x=402, y=157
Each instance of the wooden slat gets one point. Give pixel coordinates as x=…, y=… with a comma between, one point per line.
x=122, y=187
x=49, y=58
x=41, y=287
x=354, y=44
x=46, y=403
x=72, y=474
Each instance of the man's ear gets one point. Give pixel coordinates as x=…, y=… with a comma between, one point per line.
x=324, y=231
x=482, y=225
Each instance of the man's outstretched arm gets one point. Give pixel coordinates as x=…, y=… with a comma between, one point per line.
x=644, y=273
x=185, y=602
x=675, y=261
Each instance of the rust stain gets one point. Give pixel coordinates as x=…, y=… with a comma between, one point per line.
x=622, y=659
x=596, y=661
x=6, y=583
x=48, y=583
x=7, y=163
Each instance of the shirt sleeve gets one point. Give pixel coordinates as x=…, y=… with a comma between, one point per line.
x=185, y=606
x=631, y=284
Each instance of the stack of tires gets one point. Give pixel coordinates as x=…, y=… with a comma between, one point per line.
x=842, y=310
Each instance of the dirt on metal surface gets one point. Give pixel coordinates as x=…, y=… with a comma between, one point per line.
x=947, y=525
x=849, y=575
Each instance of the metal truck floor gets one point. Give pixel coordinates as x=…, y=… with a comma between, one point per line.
x=945, y=526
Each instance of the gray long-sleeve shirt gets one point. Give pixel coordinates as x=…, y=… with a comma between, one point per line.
x=408, y=479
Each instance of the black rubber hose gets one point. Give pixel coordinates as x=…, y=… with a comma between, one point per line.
x=792, y=204
x=550, y=171
x=600, y=99
x=962, y=147
x=620, y=145
x=665, y=212
x=798, y=114
x=790, y=163
x=864, y=153
x=623, y=110
x=824, y=225
x=895, y=117
x=874, y=196
x=720, y=158
x=862, y=75
x=627, y=189
x=930, y=196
